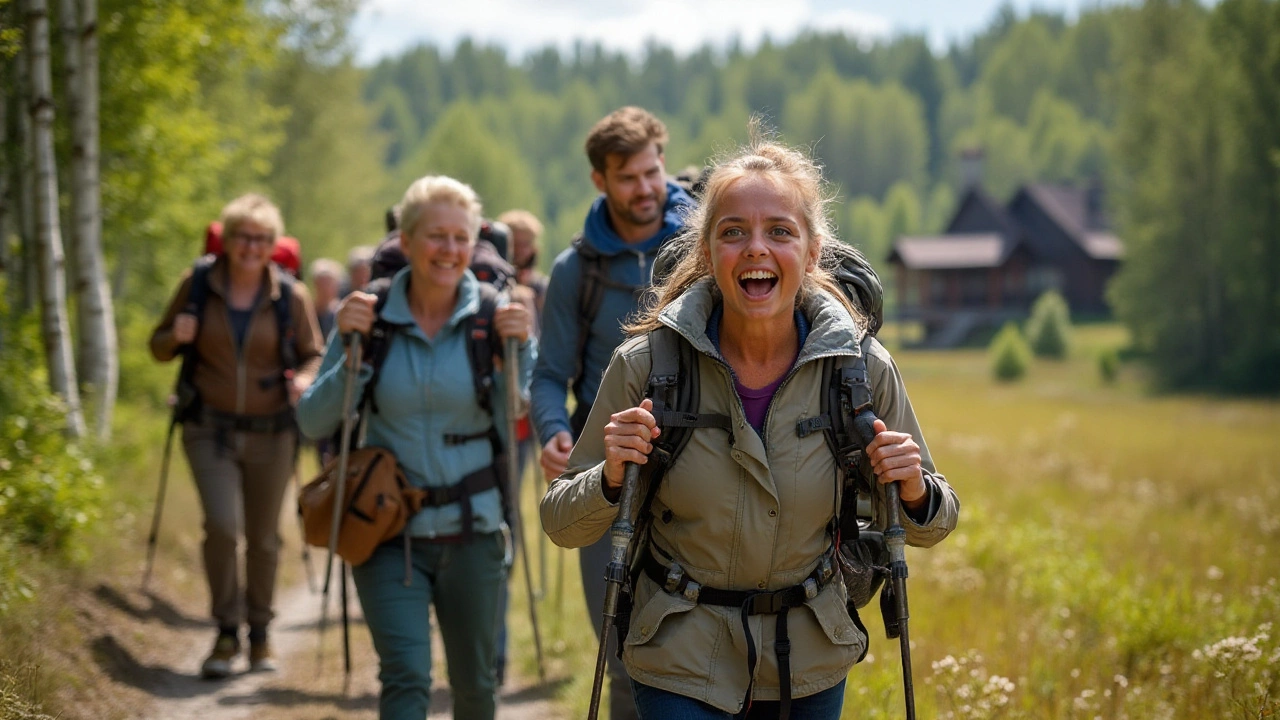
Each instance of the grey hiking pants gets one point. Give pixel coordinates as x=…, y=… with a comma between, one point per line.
x=592, y=560
x=241, y=478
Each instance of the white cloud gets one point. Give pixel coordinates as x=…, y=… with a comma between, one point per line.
x=388, y=26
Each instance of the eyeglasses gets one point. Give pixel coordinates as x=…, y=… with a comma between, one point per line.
x=253, y=239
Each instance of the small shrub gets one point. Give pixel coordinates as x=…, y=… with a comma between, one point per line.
x=49, y=489
x=1010, y=356
x=1049, y=326
x=1108, y=365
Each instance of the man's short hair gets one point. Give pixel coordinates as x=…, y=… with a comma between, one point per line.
x=625, y=131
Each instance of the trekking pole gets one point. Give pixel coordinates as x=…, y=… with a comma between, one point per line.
x=355, y=348
x=542, y=545
x=346, y=634
x=302, y=527
x=614, y=575
x=894, y=595
x=511, y=366
x=155, y=515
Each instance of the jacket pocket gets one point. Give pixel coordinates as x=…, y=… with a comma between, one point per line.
x=654, y=611
x=839, y=627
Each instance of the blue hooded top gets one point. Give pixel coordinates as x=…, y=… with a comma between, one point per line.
x=628, y=264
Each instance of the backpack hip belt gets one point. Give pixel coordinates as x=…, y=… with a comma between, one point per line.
x=675, y=581
x=485, y=478
x=278, y=422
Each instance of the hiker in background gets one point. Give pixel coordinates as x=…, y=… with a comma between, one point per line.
x=327, y=278
x=426, y=407
x=359, y=268
x=240, y=438
x=595, y=285
x=749, y=506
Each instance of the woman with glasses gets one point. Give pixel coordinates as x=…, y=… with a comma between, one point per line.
x=247, y=333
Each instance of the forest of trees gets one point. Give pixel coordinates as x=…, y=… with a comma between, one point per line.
x=157, y=112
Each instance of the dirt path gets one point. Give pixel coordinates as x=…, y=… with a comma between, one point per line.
x=154, y=649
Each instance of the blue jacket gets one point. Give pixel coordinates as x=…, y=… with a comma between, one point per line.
x=628, y=263
x=425, y=391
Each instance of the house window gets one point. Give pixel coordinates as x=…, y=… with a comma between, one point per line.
x=1044, y=277
x=973, y=287
x=938, y=289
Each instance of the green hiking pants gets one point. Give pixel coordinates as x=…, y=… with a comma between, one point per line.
x=462, y=580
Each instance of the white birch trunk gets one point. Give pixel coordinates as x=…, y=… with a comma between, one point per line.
x=53, y=310
x=6, y=202
x=26, y=190
x=97, y=360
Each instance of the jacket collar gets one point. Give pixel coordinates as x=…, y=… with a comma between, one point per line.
x=832, y=331
x=220, y=278
x=397, y=311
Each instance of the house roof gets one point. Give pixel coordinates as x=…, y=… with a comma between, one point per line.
x=974, y=250
x=1103, y=246
x=975, y=195
x=1072, y=210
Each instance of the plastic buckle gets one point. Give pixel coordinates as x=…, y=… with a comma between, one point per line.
x=810, y=589
x=674, y=575
x=691, y=591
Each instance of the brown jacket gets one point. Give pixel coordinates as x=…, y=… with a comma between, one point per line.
x=751, y=515
x=247, y=381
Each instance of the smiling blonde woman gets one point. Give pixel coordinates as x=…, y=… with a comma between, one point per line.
x=749, y=511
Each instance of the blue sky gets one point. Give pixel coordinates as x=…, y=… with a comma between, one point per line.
x=386, y=27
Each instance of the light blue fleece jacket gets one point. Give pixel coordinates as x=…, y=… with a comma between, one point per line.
x=628, y=263
x=425, y=391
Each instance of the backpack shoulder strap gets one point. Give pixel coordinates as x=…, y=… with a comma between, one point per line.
x=377, y=345
x=674, y=388
x=197, y=296
x=283, y=306
x=593, y=272
x=483, y=344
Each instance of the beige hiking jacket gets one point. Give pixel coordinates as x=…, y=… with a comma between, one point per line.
x=748, y=516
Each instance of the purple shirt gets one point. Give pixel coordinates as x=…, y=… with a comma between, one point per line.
x=755, y=403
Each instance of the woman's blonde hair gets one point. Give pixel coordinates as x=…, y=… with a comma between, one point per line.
x=253, y=208
x=439, y=188
x=790, y=170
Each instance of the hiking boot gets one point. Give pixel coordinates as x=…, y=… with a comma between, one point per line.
x=218, y=664
x=260, y=657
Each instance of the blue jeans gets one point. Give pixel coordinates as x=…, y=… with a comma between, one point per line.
x=463, y=581
x=655, y=704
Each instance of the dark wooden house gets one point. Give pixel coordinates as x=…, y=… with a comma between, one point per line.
x=994, y=260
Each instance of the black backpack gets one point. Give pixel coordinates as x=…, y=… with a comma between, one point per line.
x=593, y=280
x=189, y=404
x=488, y=259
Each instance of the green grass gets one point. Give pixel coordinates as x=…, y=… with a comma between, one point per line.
x=1110, y=541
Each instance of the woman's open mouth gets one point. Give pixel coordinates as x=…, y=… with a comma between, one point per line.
x=757, y=283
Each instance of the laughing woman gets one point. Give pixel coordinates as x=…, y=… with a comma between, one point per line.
x=428, y=415
x=753, y=514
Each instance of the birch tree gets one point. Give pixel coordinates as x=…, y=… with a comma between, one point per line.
x=96, y=362
x=53, y=310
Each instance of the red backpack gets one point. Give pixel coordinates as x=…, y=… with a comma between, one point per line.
x=288, y=252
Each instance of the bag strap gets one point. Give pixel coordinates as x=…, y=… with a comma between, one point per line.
x=847, y=391
x=483, y=344
x=283, y=306
x=674, y=387
x=593, y=280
